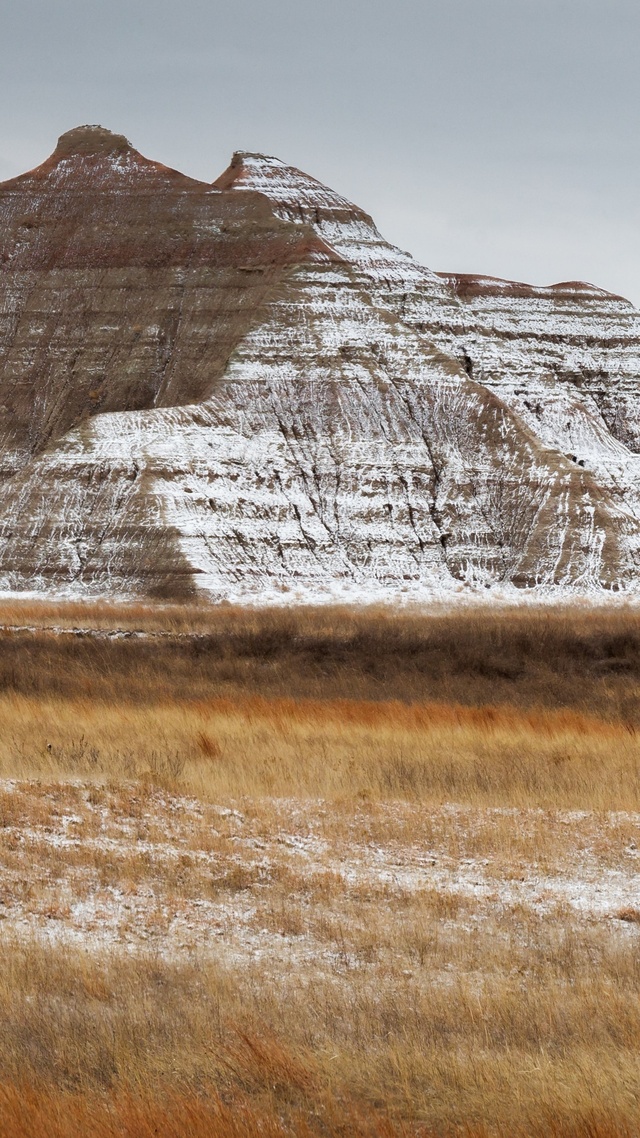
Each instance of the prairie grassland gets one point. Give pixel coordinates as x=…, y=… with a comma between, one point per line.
x=321, y=969
x=325, y=874
x=329, y=749
x=585, y=659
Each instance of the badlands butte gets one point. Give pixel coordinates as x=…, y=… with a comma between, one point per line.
x=240, y=390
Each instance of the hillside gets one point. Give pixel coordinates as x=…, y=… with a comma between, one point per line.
x=240, y=390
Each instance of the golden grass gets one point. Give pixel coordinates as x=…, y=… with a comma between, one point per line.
x=296, y=969
x=340, y=623
x=324, y=873
x=554, y=1037
x=25, y=1112
x=330, y=749
x=105, y=615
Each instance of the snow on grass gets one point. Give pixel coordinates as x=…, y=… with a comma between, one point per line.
x=293, y=882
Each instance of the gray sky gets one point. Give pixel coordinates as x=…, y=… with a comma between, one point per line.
x=496, y=136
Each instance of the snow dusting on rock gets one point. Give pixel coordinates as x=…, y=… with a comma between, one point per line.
x=242, y=390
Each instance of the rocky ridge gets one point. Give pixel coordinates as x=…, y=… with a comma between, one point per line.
x=242, y=389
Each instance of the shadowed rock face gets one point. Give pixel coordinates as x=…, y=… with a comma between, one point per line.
x=124, y=285
x=242, y=388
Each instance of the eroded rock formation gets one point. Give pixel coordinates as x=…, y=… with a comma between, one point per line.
x=242, y=388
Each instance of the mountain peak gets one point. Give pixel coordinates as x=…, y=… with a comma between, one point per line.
x=91, y=140
x=242, y=156
x=299, y=195
x=92, y=154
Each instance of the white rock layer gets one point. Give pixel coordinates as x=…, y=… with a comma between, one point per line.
x=379, y=432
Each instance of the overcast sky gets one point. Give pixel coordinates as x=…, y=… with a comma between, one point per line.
x=496, y=136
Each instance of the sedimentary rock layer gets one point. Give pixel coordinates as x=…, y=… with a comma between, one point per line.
x=243, y=389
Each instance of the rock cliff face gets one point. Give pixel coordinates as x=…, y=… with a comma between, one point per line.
x=242, y=389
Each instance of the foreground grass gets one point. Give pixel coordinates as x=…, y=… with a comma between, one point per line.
x=554, y=1038
x=305, y=969
x=402, y=903
x=25, y=1113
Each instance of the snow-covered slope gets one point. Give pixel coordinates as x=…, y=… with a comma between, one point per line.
x=565, y=359
x=287, y=406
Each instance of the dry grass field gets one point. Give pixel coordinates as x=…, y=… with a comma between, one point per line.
x=587, y=659
x=326, y=873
